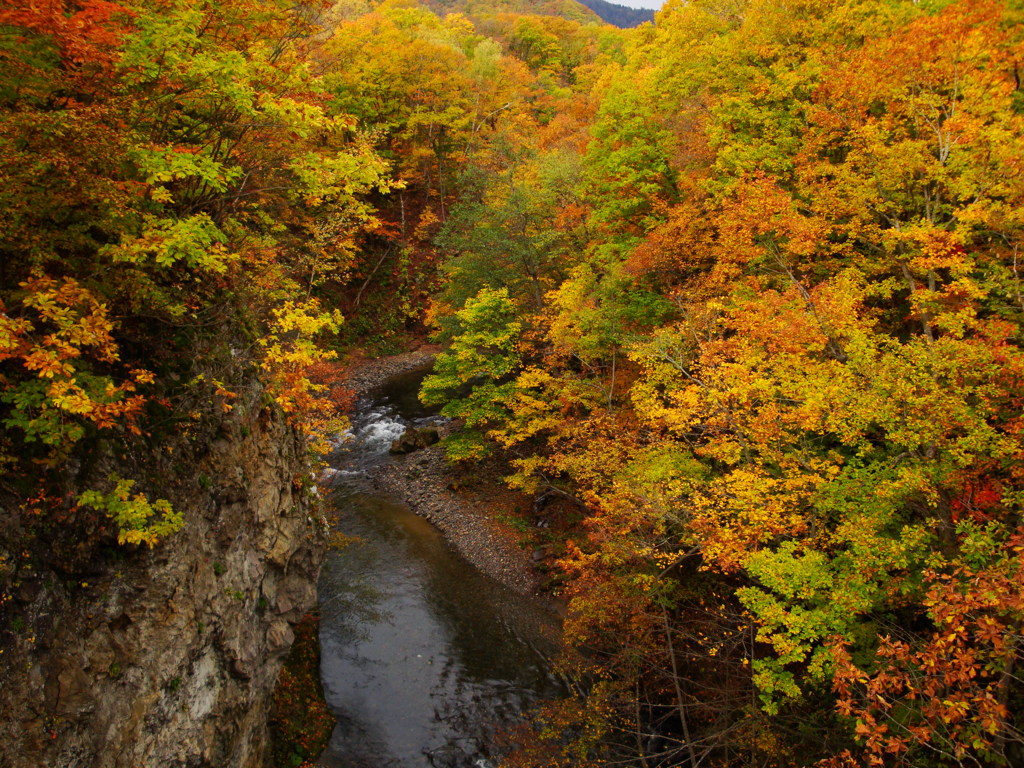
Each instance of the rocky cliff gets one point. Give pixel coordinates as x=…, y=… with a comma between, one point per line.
x=168, y=657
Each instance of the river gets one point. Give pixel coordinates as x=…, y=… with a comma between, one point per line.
x=424, y=660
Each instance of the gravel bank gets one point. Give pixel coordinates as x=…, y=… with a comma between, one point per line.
x=425, y=482
x=466, y=518
x=364, y=376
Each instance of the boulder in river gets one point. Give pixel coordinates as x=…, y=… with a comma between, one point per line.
x=413, y=439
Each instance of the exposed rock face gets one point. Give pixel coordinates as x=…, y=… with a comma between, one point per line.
x=168, y=658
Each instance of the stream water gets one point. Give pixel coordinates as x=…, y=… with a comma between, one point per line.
x=424, y=659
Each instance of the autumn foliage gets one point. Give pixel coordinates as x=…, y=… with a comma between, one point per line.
x=162, y=163
x=781, y=377
x=741, y=289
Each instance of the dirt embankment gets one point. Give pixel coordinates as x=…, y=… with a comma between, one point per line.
x=470, y=509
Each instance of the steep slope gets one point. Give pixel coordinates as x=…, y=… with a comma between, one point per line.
x=155, y=537
x=168, y=657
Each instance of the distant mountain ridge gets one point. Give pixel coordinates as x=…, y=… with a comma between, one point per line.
x=567, y=9
x=619, y=15
x=582, y=11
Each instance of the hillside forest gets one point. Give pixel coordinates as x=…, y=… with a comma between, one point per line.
x=739, y=289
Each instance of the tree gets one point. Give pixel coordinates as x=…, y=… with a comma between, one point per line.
x=159, y=163
x=483, y=357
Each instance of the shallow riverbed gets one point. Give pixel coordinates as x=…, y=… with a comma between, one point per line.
x=424, y=659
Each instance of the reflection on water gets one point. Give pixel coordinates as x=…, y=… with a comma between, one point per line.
x=423, y=657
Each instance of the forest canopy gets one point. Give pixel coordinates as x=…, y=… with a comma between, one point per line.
x=741, y=288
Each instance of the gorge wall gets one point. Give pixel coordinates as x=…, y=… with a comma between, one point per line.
x=169, y=657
